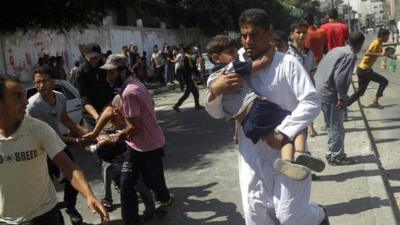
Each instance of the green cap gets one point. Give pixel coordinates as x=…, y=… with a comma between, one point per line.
x=115, y=61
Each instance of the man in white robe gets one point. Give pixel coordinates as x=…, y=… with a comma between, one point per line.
x=271, y=198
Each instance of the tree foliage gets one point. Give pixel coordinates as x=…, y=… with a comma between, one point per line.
x=211, y=16
x=217, y=16
x=59, y=15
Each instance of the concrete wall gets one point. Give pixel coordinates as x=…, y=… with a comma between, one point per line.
x=20, y=52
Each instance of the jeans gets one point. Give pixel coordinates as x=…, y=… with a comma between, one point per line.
x=150, y=166
x=110, y=172
x=159, y=71
x=334, y=121
x=70, y=193
x=49, y=218
x=364, y=77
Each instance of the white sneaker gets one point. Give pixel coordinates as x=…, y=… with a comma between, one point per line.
x=292, y=170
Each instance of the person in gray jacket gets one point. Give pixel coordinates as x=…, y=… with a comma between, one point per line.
x=332, y=78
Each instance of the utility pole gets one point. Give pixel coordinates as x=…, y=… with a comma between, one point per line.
x=349, y=9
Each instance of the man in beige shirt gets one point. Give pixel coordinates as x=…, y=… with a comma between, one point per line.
x=26, y=192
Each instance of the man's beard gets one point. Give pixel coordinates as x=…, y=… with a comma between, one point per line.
x=118, y=82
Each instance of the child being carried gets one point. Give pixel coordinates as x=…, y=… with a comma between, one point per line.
x=258, y=116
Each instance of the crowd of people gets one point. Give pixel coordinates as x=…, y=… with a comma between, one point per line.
x=273, y=84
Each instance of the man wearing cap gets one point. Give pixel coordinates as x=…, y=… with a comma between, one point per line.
x=144, y=139
x=92, y=84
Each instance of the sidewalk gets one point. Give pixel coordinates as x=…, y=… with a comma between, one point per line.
x=353, y=194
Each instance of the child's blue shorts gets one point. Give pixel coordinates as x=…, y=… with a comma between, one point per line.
x=263, y=117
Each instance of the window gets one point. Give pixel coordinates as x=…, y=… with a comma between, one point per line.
x=68, y=94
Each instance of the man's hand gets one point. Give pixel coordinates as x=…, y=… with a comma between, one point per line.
x=340, y=105
x=96, y=206
x=225, y=83
x=87, y=138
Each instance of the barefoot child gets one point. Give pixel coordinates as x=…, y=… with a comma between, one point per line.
x=258, y=116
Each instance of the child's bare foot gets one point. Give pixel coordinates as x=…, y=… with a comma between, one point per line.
x=292, y=170
x=310, y=162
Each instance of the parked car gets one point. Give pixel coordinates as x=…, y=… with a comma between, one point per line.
x=74, y=104
x=208, y=65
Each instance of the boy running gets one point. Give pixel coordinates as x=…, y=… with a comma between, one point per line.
x=365, y=73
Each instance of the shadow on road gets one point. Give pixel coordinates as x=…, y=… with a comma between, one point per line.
x=355, y=206
x=191, y=135
x=192, y=207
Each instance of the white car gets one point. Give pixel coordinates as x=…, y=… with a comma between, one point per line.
x=74, y=103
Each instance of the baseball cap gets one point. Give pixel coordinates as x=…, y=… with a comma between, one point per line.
x=115, y=61
x=92, y=50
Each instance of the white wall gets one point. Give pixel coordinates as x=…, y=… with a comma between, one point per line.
x=22, y=50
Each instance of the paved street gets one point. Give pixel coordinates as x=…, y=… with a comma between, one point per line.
x=201, y=166
x=384, y=126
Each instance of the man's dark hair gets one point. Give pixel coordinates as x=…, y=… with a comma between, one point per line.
x=356, y=39
x=280, y=35
x=218, y=44
x=76, y=63
x=6, y=78
x=383, y=32
x=255, y=17
x=333, y=14
x=298, y=24
x=309, y=19
x=45, y=70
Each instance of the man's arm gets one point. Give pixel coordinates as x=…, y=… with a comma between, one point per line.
x=77, y=179
x=105, y=117
x=133, y=126
x=223, y=83
x=342, y=77
x=371, y=51
x=91, y=110
x=263, y=61
x=71, y=125
x=308, y=101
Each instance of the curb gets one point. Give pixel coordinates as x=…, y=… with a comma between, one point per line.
x=378, y=186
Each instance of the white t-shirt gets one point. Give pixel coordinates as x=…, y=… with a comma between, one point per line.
x=38, y=108
x=26, y=190
x=179, y=61
x=158, y=58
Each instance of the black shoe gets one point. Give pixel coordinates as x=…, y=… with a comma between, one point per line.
x=314, y=177
x=176, y=108
x=198, y=107
x=342, y=162
x=326, y=219
x=146, y=216
x=164, y=206
x=76, y=218
x=311, y=162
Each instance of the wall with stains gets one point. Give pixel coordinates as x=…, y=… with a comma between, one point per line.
x=20, y=52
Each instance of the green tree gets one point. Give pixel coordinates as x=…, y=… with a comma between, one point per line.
x=59, y=15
